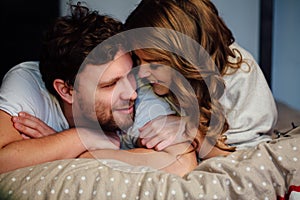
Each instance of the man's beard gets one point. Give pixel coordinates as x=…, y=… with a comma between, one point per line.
x=110, y=124
x=113, y=122
x=96, y=115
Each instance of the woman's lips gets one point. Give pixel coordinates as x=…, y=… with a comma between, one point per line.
x=156, y=82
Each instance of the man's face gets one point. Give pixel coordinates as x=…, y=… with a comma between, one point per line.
x=106, y=93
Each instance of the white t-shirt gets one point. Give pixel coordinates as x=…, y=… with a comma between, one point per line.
x=24, y=90
x=248, y=104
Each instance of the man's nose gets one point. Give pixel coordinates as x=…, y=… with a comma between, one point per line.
x=129, y=95
x=129, y=90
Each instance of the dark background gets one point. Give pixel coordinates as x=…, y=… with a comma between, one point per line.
x=22, y=24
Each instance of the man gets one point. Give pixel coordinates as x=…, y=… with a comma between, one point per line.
x=104, y=83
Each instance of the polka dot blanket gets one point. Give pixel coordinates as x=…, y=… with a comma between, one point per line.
x=268, y=171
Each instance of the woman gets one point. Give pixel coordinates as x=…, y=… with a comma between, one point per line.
x=237, y=109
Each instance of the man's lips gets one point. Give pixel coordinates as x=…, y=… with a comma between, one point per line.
x=125, y=110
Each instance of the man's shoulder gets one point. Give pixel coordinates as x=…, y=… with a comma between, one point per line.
x=25, y=66
x=24, y=69
x=28, y=71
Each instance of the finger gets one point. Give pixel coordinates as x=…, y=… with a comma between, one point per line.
x=158, y=121
x=29, y=118
x=144, y=141
x=27, y=131
x=26, y=120
x=165, y=143
x=152, y=142
x=25, y=137
x=154, y=130
x=35, y=123
x=146, y=132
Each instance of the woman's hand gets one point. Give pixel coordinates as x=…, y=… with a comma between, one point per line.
x=163, y=132
x=30, y=126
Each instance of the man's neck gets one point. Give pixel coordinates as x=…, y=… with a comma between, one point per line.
x=67, y=110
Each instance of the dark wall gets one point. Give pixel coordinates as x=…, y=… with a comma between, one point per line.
x=266, y=38
x=22, y=24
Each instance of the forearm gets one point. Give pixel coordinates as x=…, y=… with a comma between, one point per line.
x=24, y=153
x=173, y=159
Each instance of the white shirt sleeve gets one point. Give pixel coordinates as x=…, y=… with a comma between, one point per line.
x=249, y=105
x=22, y=89
x=18, y=92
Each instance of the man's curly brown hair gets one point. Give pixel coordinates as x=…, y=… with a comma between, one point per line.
x=70, y=39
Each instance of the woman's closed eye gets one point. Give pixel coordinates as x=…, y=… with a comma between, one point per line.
x=155, y=66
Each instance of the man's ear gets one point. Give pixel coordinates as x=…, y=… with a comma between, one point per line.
x=64, y=90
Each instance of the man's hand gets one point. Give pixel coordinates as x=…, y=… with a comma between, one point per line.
x=30, y=126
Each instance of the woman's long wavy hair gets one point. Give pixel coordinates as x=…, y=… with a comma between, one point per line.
x=199, y=20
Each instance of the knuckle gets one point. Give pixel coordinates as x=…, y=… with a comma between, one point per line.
x=20, y=127
x=149, y=145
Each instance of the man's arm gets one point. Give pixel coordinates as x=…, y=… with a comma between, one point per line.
x=16, y=152
x=173, y=159
x=176, y=159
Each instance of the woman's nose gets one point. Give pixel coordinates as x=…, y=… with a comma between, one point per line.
x=144, y=72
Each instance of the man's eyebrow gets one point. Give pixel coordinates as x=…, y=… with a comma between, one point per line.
x=111, y=81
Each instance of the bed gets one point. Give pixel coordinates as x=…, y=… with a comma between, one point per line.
x=269, y=171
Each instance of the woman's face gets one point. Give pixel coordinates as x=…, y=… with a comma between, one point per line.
x=158, y=75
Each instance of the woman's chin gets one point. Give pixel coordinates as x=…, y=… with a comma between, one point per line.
x=160, y=90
